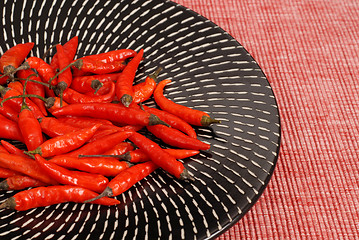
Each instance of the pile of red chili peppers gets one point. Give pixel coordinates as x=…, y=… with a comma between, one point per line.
x=83, y=122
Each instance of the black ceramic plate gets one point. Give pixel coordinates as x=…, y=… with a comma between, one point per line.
x=210, y=71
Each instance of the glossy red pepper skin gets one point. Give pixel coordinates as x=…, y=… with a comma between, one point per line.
x=14, y=56
x=138, y=155
x=105, y=166
x=192, y=116
x=65, y=143
x=45, y=196
x=160, y=157
x=177, y=138
x=2, y=148
x=113, y=112
x=25, y=166
x=124, y=83
x=13, y=149
x=30, y=129
x=5, y=173
x=33, y=88
x=20, y=182
x=8, y=112
x=70, y=49
x=144, y=90
x=72, y=96
x=44, y=69
x=98, y=67
x=111, y=56
x=52, y=127
x=65, y=78
x=119, y=149
x=56, y=104
x=83, y=84
x=94, y=182
x=3, y=80
x=10, y=129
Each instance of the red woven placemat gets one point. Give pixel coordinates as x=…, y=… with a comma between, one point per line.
x=310, y=53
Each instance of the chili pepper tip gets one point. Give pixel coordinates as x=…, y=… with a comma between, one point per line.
x=185, y=175
x=206, y=121
x=9, y=203
x=106, y=193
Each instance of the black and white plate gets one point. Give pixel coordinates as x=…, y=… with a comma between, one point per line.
x=210, y=71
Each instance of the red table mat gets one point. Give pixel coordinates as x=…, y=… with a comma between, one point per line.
x=309, y=51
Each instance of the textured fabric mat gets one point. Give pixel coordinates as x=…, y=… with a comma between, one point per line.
x=310, y=53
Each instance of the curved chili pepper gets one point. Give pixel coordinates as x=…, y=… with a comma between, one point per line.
x=8, y=112
x=65, y=143
x=126, y=179
x=52, y=127
x=30, y=128
x=65, y=77
x=173, y=121
x=104, y=166
x=101, y=145
x=26, y=166
x=5, y=173
x=94, y=182
x=111, y=56
x=83, y=84
x=34, y=88
x=14, y=56
x=10, y=129
x=19, y=182
x=109, y=111
x=139, y=155
x=70, y=48
x=160, y=157
x=98, y=67
x=44, y=69
x=54, y=104
x=190, y=115
x=177, y=138
x=45, y=196
x=124, y=83
x=144, y=90
x=119, y=149
x=72, y=96
x=12, y=149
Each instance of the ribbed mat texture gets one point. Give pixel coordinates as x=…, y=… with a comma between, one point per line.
x=309, y=51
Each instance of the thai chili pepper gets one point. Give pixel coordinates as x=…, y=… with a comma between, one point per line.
x=19, y=182
x=10, y=129
x=111, y=56
x=113, y=112
x=119, y=149
x=16, y=85
x=55, y=103
x=190, y=115
x=98, y=67
x=13, y=149
x=160, y=157
x=5, y=172
x=100, y=133
x=83, y=84
x=177, y=138
x=173, y=121
x=104, y=166
x=8, y=95
x=102, y=144
x=30, y=128
x=139, y=155
x=8, y=112
x=45, y=196
x=105, y=88
x=82, y=122
x=65, y=143
x=72, y=96
x=44, y=69
x=14, y=56
x=34, y=88
x=70, y=48
x=144, y=90
x=124, y=83
x=126, y=179
x=94, y=182
x=52, y=127
x=26, y=166
x=65, y=78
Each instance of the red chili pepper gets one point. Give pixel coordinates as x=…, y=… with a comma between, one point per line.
x=119, y=149
x=26, y=166
x=105, y=166
x=65, y=78
x=82, y=122
x=173, y=121
x=34, y=88
x=45, y=196
x=94, y=182
x=98, y=67
x=70, y=48
x=12, y=149
x=84, y=84
x=3, y=149
x=113, y=112
x=139, y=155
x=52, y=127
x=65, y=143
x=126, y=179
x=111, y=56
x=177, y=138
x=55, y=104
x=5, y=173
x=101, y=145
x=3, y=79
x=10, y=129
x=14, y=56
x=8, y=112
x=19, y=182
x=144, y=90
x=72, y=96
x=44, y=69
x=190, y=115
x=16, y=85
x=30, y=128
x=160, y=157
x=101, y=133
x=124, y=83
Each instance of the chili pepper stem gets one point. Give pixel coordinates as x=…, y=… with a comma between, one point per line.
x=126, y=100
x=75, y=64
x=31, y=154
x=155, y=74
x=4, y=185
x=185, y=175
x=10, y=70
x=96, y=85
x=22, y=96
x=206, y=121
x=48, y=51
x=106, y=193
x=9, y=203
x=154, y=120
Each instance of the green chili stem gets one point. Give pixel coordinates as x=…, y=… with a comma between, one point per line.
x=62, y=70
